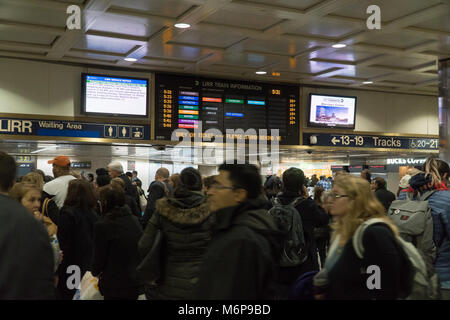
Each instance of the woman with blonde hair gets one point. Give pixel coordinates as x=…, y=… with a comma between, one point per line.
x=345, y=275
x=34, y=178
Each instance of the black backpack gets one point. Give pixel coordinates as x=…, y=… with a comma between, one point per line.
x=290, y=223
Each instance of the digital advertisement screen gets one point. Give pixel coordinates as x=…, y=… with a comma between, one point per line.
x=332, y=111
x=184, y=102
x=112, y=95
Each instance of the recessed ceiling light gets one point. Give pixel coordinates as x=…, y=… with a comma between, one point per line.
x=339, y=45
x=261, y=72
x=130, y=59
x=368, y=82
x=182, y=25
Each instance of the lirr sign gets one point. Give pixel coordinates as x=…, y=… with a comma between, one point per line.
x=74, y=129
x=371, y=141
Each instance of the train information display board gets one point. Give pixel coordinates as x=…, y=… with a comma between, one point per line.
x=184, y=102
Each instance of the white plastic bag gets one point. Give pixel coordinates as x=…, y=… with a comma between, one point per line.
x=89, y=288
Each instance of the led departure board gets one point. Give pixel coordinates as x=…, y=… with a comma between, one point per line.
x=186, y=102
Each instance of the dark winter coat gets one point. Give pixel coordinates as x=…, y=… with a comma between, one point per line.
x=76, y=238
x=241, y=258
x=348, y=277
x=27, y=264
x=186, y=224
x=116, y=254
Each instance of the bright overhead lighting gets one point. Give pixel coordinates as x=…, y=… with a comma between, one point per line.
x=368, y=82
x=182, y=25
x=130, y=59
x=261, y=72
x=339, y=45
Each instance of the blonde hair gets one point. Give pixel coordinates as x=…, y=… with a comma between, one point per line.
x=33, y=178
x=20, y=189
x=364, y=206
x=431, y=168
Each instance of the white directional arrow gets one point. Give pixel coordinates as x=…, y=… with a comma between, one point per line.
x=334, y=140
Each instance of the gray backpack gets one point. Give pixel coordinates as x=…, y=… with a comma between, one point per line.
x=415, y=225
x=422, y=287
x=289, y=221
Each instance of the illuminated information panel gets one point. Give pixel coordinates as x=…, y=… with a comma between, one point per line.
x=183, y=102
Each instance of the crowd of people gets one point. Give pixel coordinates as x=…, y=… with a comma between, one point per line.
x=228, y=236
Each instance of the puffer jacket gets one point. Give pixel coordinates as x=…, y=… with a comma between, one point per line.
x=439, y=203
x=186, y=224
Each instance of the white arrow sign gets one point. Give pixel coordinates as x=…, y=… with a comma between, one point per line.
x=334, y=140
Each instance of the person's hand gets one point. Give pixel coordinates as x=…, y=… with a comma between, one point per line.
x=39, y=216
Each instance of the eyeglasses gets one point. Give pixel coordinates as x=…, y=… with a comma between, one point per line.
x=337, y=196
x=219, y=186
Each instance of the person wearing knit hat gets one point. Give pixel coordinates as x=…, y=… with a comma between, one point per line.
x=186, y=224
x=57, y=188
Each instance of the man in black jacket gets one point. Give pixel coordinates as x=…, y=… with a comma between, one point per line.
x=381, y=193
x=115, y=170
x=294, y=187
x=27, y=264
x=158, y=189
x=240, y=259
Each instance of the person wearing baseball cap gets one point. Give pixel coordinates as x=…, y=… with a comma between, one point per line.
x=57, y=188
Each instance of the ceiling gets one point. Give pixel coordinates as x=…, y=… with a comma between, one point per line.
x=236, y=38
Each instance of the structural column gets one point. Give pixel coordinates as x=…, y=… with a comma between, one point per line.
x=444, y=109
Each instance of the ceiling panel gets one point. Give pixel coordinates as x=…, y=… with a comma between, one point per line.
x=133, y=26
x=176, y=52
x=207, y=38
x=347, y=54
x=32, y=13
x=9, y=33
x=167, y=8
x=402, y=62
x=390, y=10
x=242, y=19
x=438, y=23
x=397, y=40
x=327, y=28
x=90, y=55
x=105, y=44
x=310, y=67
x=296, y=4
x=414, y=78
x=284, y=47
x=248, y=59
x=360, y=72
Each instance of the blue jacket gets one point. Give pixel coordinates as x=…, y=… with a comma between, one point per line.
x=439, y=203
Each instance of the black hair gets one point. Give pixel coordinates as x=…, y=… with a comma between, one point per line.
x=8, y=171
x=380, y=182
x=101, y=172
x=273, y=186
x=294, y=179
x=103, y=180
x=245, y=176
x=129, y=174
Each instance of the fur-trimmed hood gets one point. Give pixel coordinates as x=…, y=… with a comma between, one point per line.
x=189, y=210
